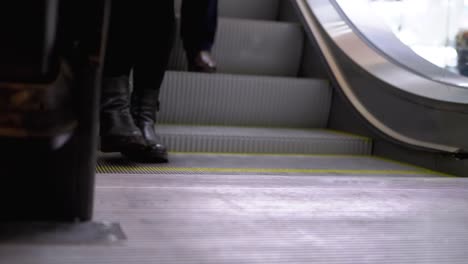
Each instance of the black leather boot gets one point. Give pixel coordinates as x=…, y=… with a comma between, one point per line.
x=117, y=127
x=145, y=104
x=202, y=62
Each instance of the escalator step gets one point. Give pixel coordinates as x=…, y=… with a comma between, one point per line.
x=260, y=140
x=252, y=47
x=219, y=99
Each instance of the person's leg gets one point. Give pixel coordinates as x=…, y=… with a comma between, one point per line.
x=120, y=49
x=117, y=128
x=156, y=37
x=198, y=29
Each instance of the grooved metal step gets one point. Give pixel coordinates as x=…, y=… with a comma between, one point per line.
x=252, y=9
x=260, y=140
x=221, y=99
x=179, y=219
x=251, y=47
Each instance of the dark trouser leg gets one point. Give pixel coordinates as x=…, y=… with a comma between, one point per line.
x=117, y=128
x=121, y=47
x=198, y=29
x=151, y=63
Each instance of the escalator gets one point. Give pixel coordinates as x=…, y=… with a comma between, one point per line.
x=310, y=145
x=402, y=96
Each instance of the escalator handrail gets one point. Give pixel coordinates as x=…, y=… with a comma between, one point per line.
x=378, y=34
x=314, y=27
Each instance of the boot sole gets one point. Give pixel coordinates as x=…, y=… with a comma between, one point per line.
x=117, y=144
x=138, y=156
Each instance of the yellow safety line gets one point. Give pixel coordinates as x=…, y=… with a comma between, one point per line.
x=149, y=169
x=107, y=169
x=428, y=171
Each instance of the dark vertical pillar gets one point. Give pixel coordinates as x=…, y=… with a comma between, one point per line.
x=49, y=108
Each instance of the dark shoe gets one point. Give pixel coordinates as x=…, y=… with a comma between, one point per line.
x=144, y=106
x=202, y=62
x=117, y=128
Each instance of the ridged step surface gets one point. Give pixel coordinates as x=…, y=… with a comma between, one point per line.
x=260, y=140
x=252, y=9
x=232, y=219
x=221, y=99
x=251, y=47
